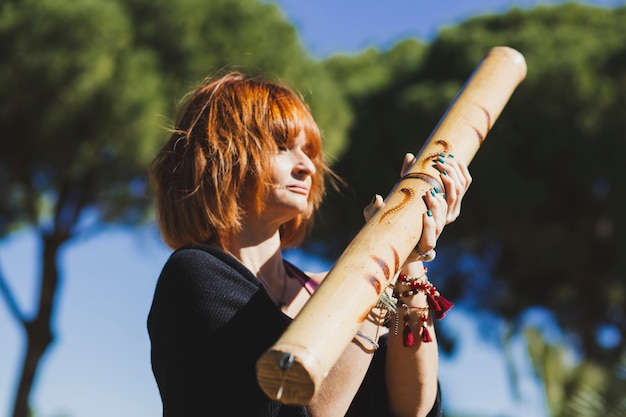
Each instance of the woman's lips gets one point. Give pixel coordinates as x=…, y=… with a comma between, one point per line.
x=299, y=189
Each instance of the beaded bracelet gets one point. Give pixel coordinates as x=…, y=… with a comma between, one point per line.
x=436, y=303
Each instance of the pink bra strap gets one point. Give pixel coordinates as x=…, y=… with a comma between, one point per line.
x=307, y=282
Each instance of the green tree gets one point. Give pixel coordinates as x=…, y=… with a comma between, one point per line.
x=77, y=120
x=372, y=82
x=84, y=87
x=195, y=38
x=575, y=388
x=545, y=209
x=542, y=223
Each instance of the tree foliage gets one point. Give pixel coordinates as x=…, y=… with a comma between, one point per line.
x=77, y=109
x=88, y=89
x=544, y=211
x=576, y=388
x=193, y=39
x=378, y=137
x=77, y=119
x=548, y=181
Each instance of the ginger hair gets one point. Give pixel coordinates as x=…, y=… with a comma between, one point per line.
x=219, y=151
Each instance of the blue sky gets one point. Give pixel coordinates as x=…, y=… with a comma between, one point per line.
x=99, y=364
x=348, y=26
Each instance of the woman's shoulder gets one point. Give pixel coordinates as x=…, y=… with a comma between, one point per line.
x=188, y=260
x=204, y=256
x=198, y=252
x=203, y=264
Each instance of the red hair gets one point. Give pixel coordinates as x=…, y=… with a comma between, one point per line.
x=218, y=151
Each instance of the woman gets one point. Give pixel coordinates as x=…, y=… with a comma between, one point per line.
x=239, y=180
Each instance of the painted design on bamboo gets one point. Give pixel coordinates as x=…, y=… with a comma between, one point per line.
x=396, y=261
x=376, y=283
x=373, y=279
x=445, y=148
x=407, y=195
x=383, y=265
x=481, y=136
x=388, y=272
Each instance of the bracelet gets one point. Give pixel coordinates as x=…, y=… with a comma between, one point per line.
x=437, y=304
x=408, y=338
x=387, y=302
x=369, y=339
x=425, y=256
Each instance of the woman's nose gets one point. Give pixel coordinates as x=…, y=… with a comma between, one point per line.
x=305, y=164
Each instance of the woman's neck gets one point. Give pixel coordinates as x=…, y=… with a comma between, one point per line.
x=261, y=254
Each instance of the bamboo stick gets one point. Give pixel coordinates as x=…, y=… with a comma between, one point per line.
x=292, y=370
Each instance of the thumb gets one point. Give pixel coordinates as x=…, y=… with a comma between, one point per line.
x=376, y=203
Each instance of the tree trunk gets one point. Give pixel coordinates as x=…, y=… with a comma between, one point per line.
x=39, y=334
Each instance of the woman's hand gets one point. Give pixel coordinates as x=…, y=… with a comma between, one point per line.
x=443, y=206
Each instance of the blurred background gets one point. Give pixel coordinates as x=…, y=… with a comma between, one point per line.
x=535, y=264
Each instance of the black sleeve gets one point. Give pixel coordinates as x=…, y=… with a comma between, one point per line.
x=208, y=324
x=372, y=400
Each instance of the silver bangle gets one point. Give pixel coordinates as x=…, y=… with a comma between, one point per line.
x=369, y=339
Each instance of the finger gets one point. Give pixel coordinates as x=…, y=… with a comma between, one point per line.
x=433, y=220
x=376, y=203
x=462, y=183
x=438, y=208
x=459, y=172
x=456, y=180
x=409, y=160
x=453, y=195
x=466, y=175
x=448, y=167
x=428, y=239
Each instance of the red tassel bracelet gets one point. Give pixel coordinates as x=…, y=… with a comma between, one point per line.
x=408, y=338
x=436, y=303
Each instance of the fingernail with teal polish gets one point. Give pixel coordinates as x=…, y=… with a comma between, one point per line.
x=436, y=190
x=443, y=155
x=444, y=172
x=443, y=195
x=429, y=213
x=441, y=161
x=451, y=156
x=432, y=193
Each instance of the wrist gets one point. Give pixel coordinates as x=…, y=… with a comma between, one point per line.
x=413, y=293
x=414, y=268
x=411, y=272
x=417, y=255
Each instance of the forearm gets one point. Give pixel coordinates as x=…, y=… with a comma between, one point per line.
x=411, y=371
x=343, y=381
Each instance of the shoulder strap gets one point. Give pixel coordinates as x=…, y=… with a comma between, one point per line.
x=307, y=282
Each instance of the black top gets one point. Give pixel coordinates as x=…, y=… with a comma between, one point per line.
x=209, y=323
